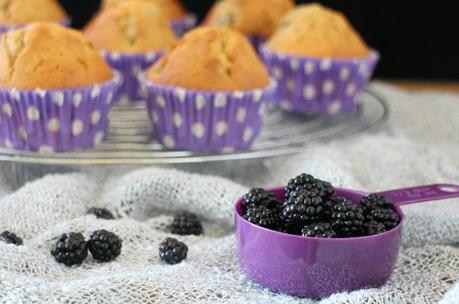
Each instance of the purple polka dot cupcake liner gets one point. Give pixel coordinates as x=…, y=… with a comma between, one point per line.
x=130, y=67
x=55, y=120
x=183, y=25
x=320, y=86
x=206, y=121
x=257, y=41
x=11, y=27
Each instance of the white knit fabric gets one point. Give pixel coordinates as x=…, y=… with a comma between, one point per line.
x=418, y=146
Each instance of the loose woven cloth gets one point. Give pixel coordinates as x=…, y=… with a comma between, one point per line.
x=419, y=145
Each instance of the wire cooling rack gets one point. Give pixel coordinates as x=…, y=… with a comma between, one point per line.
x=129, y=137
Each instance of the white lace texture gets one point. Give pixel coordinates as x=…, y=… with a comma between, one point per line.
x=418, y=146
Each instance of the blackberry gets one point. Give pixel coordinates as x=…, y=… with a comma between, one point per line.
x=104, y=245
x=260, y=197
x=10, y=238
x=263, y=217
x=347, y=219
x=186, y=223
x=328, y=206
x=101, y=213
x=70, y=249
x=172, y=251
x=319, y=230
x=374, y=227
x=307, y=182
x=302, y=208
x=387, y=217
x=373, y=201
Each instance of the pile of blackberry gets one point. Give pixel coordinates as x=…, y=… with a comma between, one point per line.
x=311, y=208
x=72, y=248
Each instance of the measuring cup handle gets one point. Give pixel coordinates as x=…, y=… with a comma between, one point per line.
x=422, y=194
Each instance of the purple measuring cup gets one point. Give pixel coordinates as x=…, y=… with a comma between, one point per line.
x=317, y=268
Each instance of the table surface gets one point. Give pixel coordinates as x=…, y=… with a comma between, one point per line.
x=422, y=85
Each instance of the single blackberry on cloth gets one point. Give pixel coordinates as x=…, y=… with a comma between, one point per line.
x=173, y=251
x=260, y=197
x=374, y=227
x=101, y=213
x=309, y=183
x=302, y=208
x=186, y=223
x=387, y=217
x=10, y=238
x=347, y=219
x=104, y=245
x=70, y=249
x=263, y=217
x=373, y=201
x=319, y=230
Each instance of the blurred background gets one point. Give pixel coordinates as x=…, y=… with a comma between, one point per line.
x=418, y=40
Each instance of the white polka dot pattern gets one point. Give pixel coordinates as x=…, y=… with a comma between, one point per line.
x=220, y=100
x=7, y=109
x=178, y=120
x=22, y=133
x=98, y=138
x=221, y=128
x=33, y=114
x=334, y=107
x=328, y=86
x=77, y=127
x=200, y=101
x=53, y=125
x=77, y=99
x=309, y=92
x=248, y=134
x=169, y=142
x=325, y=64
x=198, y=130
x=58, y=98
x=95, y=117
x=160, y=101
x=241, y=115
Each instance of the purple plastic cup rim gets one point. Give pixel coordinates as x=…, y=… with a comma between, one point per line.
x=56, y=120
x=325, y=86
x=238, y=213
x=184, y=24
x=315, y=267
x=206, y=121
x=130, y=66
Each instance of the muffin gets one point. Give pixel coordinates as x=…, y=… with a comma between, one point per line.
x=257, y=19
x=132, y=36
x=218, y=103
x=172, y=9
x=320, y=62
x=14, y=14
x=55, y=89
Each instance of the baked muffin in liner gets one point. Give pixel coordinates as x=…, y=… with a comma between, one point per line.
x=56, y=120
x=183, y=25
x=130, y=67
x=206, y=121
x=324, y=86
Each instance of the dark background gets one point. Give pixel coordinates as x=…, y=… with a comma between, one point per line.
x=417, y=39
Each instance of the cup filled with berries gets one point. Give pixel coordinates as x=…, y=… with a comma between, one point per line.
x=310, y=239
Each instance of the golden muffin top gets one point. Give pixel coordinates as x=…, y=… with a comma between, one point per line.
x=27, y=11
x=173, y=9
x=48, y=56
x=132, y=27
x=211, y=58
x=314, y=30
x=251, y=17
